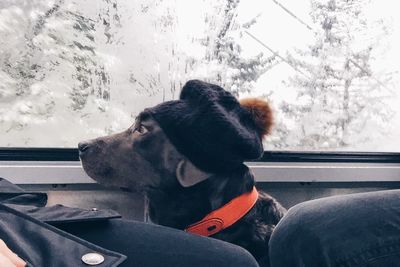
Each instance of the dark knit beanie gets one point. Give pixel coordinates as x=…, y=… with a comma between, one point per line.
x=211, y=128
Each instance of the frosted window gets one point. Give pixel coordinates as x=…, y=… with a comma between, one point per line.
x=72, y=70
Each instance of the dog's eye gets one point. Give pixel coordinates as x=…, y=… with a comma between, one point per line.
x=141, y=129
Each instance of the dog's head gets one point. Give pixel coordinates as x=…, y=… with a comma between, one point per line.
x=206, y=131
x=139, y=157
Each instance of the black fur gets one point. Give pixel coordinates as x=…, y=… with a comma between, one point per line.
x=174, y=206
x=210, y=127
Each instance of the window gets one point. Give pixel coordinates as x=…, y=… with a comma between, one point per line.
x=72, y=70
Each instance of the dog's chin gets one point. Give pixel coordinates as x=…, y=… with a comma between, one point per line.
x=105, y=177
x=100, y=174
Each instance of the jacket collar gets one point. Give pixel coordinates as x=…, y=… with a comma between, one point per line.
x=225, y=216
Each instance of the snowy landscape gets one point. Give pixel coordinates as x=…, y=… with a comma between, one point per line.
x=77, y=69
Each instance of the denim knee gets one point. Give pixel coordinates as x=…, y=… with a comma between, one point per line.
x=294, y=241
x=347, y=230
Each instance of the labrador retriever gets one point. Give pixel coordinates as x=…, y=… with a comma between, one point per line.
x=143, y=159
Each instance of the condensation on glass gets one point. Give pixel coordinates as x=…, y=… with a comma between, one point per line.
x=71, y=70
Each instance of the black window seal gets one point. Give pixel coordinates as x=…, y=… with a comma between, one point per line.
x=71, y=154
x=330, y=157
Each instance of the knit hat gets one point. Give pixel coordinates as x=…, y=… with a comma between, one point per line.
x=211, y=128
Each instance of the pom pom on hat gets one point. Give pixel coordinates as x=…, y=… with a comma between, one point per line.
x=261, y=113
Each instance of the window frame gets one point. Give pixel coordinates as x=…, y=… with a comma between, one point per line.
x=61, y=166
x=72, y=154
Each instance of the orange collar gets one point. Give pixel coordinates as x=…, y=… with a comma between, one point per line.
x=225, y=216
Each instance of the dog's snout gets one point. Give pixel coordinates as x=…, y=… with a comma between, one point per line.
x=83, y=146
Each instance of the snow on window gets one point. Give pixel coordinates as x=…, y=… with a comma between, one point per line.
x=72, y=70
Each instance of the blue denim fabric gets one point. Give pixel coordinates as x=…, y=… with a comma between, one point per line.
x=341, y=231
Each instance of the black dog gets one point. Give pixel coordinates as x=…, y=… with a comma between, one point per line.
x=186, y=156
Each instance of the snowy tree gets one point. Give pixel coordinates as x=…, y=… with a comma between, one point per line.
x=230, y=69
x=217, y=56
x=340, y=97
x=50, y=63
x=79, y=69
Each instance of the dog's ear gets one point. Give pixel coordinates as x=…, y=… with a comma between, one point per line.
x=188, y=174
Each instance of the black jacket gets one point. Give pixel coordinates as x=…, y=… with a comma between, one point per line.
x=29, y=229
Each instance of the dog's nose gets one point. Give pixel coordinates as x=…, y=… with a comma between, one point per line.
x=83, y=146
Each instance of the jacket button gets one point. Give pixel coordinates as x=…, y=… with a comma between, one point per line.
x=92, y=258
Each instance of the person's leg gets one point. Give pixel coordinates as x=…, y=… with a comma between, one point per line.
x=149, y=245
x=350, y=230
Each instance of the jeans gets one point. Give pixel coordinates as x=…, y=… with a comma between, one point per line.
x=344, y=231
